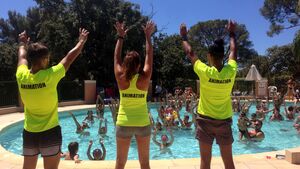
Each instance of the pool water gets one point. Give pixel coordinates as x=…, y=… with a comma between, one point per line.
x=278, y=136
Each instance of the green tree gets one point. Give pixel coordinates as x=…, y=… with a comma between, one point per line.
x=282, y=14
x=203, y=34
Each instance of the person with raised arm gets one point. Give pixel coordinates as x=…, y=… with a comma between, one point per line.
x=100, y=105
x=97, y=153
x=102, y=129
x=80, y=128
x=37, y=86
x=165, y=142
x=133, y=83
x=214, y=118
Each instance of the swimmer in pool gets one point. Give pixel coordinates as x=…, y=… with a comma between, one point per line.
x=72, y=153
x=243, y=123
x=97, y=153
x=102, y=129
x=165, y=142
x=80, y=128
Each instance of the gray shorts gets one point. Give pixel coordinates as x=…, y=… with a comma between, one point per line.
x=46, y=143
x=128, y=132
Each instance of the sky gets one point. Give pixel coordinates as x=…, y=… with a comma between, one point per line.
x=169, y=14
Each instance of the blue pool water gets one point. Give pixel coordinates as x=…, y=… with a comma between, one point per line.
x=279, y=135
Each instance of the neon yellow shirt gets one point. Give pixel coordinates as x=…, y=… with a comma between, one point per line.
x=215, y=89
x=39, y=95
x=133, y=109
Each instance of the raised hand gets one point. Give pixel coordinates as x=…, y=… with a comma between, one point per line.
x=120, y=27
x=149, y=28
x=231, y=26
x=83, y=35
x=23, y=38
x=183, y=30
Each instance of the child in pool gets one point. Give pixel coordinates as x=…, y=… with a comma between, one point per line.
x=97, y=153
x=72, y=153
x=243, y=123
x=164, y=140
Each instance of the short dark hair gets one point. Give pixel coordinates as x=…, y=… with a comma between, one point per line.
x=36, y=51
x=217, y=49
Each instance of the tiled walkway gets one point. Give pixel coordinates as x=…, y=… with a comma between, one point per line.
x=252, y=161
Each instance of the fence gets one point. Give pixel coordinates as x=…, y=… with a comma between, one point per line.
x=9, y=94
x=67, y=91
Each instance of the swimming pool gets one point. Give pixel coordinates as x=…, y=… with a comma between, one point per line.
x=279, y=135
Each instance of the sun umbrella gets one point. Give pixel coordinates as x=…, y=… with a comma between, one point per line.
x=253, y=75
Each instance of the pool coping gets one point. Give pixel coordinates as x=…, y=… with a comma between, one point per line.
x=259, y=160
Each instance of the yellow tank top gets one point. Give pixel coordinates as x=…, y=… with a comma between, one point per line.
x=133, y=109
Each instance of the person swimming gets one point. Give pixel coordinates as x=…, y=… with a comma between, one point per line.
x=297, y=124
x=102, y=129
x=80, y=128
x=97, y=153
x=72, y=153
x=243, y=123
x=164, y=140
x=257, y=134
x=90, y=117
x=276, y=116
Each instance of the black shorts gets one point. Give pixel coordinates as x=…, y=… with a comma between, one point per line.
x=209, y=129
x=46, y=143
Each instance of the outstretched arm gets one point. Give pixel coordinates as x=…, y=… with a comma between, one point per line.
x=88, y=153
x=233, y=48
x=22, y=53
x=154, y=138
x=186, y=46
x=172, y=138
x=148, y=29
x=73, y=54
x=75, y=120
x=120, y=27
x=103, y=149
x=105, y=124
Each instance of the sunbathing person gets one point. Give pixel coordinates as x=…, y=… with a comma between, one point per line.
x=97, y=153
x=164, y=140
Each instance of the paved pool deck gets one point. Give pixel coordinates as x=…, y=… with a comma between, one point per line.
x=9, y=160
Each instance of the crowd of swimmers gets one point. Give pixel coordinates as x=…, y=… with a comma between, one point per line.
x=177, y=111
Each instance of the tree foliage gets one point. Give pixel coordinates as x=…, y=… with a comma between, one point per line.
x=282, y=14
x=203, y=35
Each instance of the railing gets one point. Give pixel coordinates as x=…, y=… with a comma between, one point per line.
x=70, y=91
x=9, y=94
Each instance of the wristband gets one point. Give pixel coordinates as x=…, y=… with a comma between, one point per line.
x=184, y=38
